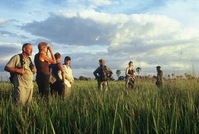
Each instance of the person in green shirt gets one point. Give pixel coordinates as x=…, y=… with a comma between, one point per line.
x=23, y=75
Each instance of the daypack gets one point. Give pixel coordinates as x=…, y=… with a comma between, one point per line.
x=55, y=73
x=22, y=64
x=104, y=73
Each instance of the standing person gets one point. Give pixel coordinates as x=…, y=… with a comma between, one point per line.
x=159, y=80
x=69, y=79
x=42, y=61
x=129, y=76
x=57, y=84
x=102, y=74
x=22, y=70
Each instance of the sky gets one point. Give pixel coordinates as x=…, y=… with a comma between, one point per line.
x=147, y=32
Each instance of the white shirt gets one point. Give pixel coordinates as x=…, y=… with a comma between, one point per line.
x=68, y=75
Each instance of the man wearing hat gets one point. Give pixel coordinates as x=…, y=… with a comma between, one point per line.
x=159, y=81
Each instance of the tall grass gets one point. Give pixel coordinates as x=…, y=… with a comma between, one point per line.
x=146, y=109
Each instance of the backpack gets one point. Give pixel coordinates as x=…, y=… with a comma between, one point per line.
x=104, y=73
x=55, y=73
x=22, y=64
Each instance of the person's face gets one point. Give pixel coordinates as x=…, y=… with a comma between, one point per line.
x=58, y=59
x=28, y=50
x=131, y=64
x=46, y=49
x=102, y=63
x=68, y=62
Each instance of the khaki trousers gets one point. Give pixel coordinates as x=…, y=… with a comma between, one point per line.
x=22, y=95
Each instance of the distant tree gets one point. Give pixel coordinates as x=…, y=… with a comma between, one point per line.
x=173, y=76
x=83, y=78
x=118, y=72
x=138, y=69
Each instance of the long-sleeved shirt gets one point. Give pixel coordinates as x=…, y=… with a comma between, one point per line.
x=68, y=75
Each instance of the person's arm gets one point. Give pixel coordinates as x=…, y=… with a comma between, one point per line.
x=52, y=55
x=47, y=58
x=12, y=68
x=62, y=71
x=110, y=72
x=95, y=73
x=15, y=70
x=34, y=70
x=126, y=71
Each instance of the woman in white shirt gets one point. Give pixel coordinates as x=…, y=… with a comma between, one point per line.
x=69, y=79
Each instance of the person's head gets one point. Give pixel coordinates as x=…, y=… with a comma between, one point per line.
x=158, y=67
x=67, y=60
x=43, y=46
x=130, y=63
x=57, y=56
x=102, y=62
x=27, y=49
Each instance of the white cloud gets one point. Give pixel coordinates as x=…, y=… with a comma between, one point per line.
x=185, y=11
x=100, y=2
x=147, y=39
x=3, y=22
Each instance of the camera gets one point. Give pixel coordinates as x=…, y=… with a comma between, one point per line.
x=31, y=66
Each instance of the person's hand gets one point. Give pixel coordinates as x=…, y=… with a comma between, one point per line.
x=72, y=81
x=50, y=48
x=21, y=71
x=34, y=70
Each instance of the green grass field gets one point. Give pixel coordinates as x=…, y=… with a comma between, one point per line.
x=144, y=110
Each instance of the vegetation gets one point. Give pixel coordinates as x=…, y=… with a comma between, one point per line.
x=146, y=109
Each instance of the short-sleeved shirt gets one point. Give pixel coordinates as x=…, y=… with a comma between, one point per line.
x=25, y=80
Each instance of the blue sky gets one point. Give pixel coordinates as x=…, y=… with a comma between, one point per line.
x=149, y=33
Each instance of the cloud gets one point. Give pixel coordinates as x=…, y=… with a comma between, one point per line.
x=3, y=22
x=12, y=35
x=9, y=49
x=149, y=40
x=100, y=2
x=80, y=29
x=185, y=11
x=148, y=33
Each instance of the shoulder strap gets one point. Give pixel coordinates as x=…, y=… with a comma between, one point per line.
x=31, y=64
x=21, y=60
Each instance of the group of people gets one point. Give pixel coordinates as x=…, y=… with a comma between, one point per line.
x=130, y=76
x=51, y=75
x=104, y=73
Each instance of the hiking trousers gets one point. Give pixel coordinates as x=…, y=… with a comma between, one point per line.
x=103, y=85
